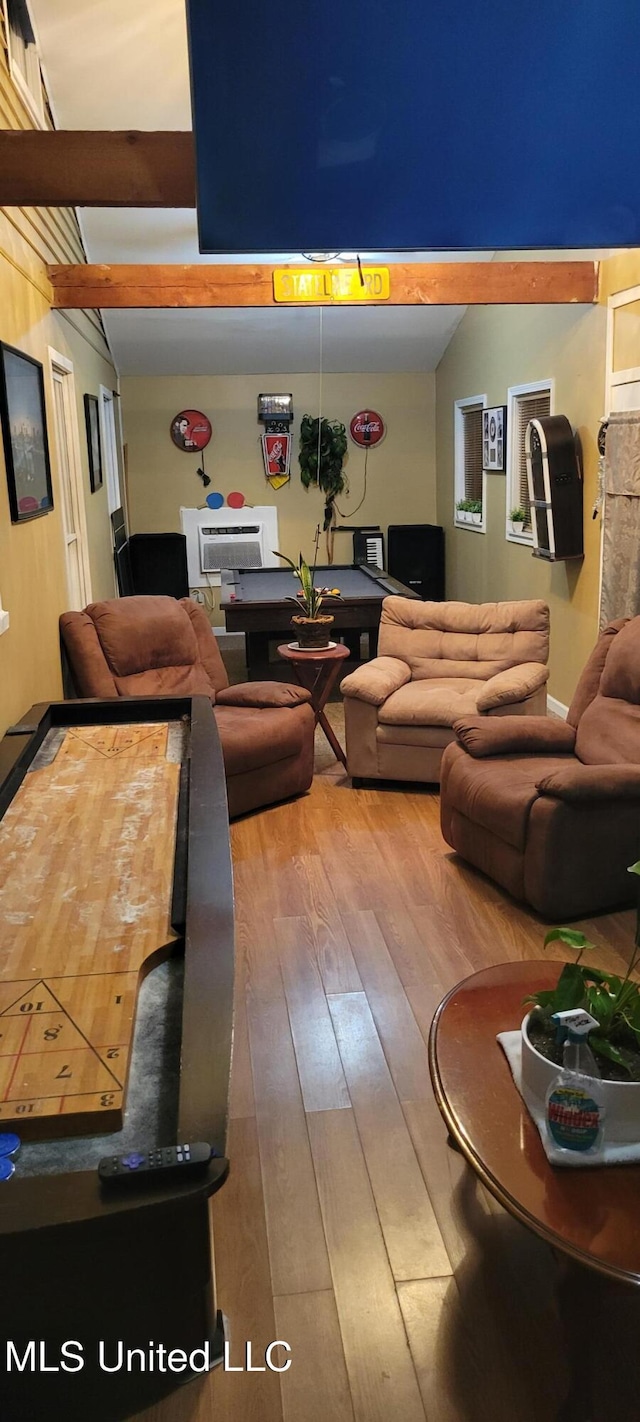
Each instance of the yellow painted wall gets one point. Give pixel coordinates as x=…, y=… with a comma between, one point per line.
x=401, y=470
x=32, y=564
x=492, y=349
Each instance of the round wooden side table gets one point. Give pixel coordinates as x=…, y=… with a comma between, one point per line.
x=589, y=1216
x=317, y=672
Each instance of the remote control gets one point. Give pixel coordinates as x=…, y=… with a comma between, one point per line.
x=155, y=1166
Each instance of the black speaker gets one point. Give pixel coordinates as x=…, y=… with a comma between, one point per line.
x=415, y=556
x=158, y=563
x=555, y=488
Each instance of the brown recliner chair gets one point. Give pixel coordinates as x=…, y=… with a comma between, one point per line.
x=551, y=809
x=155, y=646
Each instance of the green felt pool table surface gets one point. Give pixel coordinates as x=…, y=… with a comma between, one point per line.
x=273, y=585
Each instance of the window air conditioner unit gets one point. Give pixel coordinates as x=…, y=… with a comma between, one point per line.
x=228, y=538
x=231, y=547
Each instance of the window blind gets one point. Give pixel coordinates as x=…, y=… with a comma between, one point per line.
x=473, y=453
x=527, y=407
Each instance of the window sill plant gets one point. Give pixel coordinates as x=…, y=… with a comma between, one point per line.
x=312, y=627
x=615, y=1004
x=517, y=520
x=475, y=509
x=469, y=511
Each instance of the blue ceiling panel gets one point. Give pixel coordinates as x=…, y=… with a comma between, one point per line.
x=340, y=125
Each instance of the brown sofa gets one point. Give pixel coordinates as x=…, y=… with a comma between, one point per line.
x=438, y=661
x=551, y=809
x=155, y=646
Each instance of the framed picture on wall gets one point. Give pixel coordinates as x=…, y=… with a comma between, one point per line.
x=92, y=421
x=24, y=435
x=494, y=429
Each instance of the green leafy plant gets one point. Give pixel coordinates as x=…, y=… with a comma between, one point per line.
x=613, y=1001
x=474, y=506
x=518, y=515
x=463, y=506
x=309, y=600
x=323, y=446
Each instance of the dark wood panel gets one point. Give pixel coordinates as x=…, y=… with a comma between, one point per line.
x=77, y=168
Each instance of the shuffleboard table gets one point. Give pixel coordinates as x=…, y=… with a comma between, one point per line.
x=255, y=601
x=116, y=991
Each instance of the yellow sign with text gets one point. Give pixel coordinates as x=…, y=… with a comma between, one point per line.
x=331, y=284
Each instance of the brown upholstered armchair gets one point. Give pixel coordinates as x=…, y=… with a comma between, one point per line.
x=551, y=809
x=439, y=661
x=155, y=646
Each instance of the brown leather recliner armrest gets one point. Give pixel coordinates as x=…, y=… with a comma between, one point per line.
x=513, y=684
x=377, y=680
x=264, y=695
x=514, y=735
x=592, y=782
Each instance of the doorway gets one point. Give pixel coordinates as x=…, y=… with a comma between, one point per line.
x=74, y=523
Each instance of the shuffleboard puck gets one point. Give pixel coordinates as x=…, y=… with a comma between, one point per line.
x=9, y=1143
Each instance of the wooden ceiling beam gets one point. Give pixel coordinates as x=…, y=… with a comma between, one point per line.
x=94, y=169
x=412, y=284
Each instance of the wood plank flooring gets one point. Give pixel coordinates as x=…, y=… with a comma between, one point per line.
x=347, y=1226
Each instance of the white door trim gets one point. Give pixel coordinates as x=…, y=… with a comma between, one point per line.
x=64, y=367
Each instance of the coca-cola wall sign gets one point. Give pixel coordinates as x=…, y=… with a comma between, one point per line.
x=367, y=428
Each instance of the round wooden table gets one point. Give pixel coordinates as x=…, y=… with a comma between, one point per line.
x=317, y=672
x=590, y=1214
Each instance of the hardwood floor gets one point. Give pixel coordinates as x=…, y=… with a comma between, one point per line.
x=347, y=1226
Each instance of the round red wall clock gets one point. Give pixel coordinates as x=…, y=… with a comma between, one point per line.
x=190, y=431
x=367, y=428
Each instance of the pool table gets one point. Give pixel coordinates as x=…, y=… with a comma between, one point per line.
x=255, y=602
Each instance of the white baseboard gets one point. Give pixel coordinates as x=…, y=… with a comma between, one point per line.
x=557, y=708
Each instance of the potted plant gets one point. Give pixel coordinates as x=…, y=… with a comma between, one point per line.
x=475, y=509
x=517, y=520
x=311, y=626
x=323, y=445
x=615, y=1004
x=462, y=509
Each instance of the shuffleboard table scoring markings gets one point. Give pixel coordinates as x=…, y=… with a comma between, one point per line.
x=98, y=901
x=53, y=1055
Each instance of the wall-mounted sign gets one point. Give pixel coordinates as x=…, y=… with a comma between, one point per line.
x=275, y=412
x=275, y=408
x=190, y=431
x=331, y=284
x=367, y=428
x=276, y=452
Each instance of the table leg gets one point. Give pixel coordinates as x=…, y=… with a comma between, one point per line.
x=257, y=653
x=320, y=680
x=332, y=739
x=352, y=641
